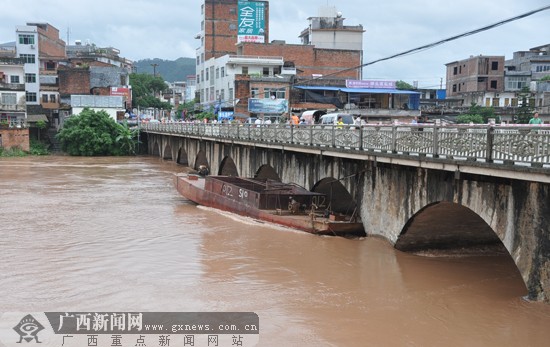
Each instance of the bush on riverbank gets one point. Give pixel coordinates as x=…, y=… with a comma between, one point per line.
x=92, y=133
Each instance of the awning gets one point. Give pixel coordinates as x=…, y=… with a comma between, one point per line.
x=359, y=90
x=33, y=118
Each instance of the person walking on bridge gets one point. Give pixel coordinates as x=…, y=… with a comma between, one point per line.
x=535, y=119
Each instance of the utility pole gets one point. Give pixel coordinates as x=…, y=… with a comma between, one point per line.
x=154, y=65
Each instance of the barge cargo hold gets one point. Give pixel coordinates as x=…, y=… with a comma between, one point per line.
x=268, y=200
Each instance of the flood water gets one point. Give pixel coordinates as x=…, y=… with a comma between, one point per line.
x=112, y=234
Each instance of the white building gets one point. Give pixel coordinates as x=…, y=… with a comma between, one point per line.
x=12, y=91
x=113, y=105
x=26, y=46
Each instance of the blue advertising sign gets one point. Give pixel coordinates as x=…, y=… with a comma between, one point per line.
x=278, y=106
x=251, y=22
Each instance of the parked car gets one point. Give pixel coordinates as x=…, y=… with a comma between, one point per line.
x=332, y=118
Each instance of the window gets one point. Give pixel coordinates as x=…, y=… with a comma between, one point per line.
x=223, y=94
x=53, y=98
x=514, y=102
x=277, y=70
x=278, y=93
x=460, y=69
x=49, y=65
x=230, y=93
x=254, y=92
x=232, y=26
x=198, y=79
x=207, y=74
x=454, y=88
x=14, y=79
x=26, y=39
x=28, y=58
x=481, y=79
x=496, y=102
x=217, y=73
x=455, y=70
x=494, y=65
x=222, y=72
x=516, y=83
x=493, y=84
x=198, y=60
x=212, y=94
x=30, y=97
x=266, y=71
x=9, y=99
x=244, y=70
x=30, y=78
x=44, y=98
x=232, y=10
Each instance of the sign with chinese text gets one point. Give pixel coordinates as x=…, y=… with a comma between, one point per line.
x=251, y=22
x=370, y=84
x=277, y=106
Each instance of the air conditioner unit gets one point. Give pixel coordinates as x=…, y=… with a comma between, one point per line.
x=32, y=46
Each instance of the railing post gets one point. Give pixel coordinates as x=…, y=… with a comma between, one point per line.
x=394, y=138
x=490, y=141
x=360, y=137
x=436, y=141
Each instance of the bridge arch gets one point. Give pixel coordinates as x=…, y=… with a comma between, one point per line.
x=155, y=149
x=201, y=159
x=167, y=154
x=447, y=225
x=228, y=167
x=267, y=172
x=182, y=157
x=339, y=199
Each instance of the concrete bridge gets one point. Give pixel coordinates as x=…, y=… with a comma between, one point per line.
x=419, y=186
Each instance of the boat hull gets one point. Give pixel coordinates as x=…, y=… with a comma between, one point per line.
x=241, y=201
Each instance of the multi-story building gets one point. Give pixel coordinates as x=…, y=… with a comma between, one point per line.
x=91, y=70
x=39, y=45
x=527, y=69
x=471, y=79
x=236, y=65
x=491, y=81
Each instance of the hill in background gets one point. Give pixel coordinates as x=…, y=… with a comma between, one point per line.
x=170, y=70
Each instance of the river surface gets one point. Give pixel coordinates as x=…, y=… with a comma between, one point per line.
x=112, y=234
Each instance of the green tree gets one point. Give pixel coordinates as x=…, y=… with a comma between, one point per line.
x=402, y=85
x=145, y=87
x=126, y=138
x=94, y=133
x=40, y=125
x=525, y=111
x=478, y=115
x=545, y=78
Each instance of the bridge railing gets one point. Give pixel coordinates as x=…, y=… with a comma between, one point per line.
x=504, y=144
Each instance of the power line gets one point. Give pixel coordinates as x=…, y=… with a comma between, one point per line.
x=440, y=42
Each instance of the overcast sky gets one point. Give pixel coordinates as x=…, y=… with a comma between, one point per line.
x=143, y=29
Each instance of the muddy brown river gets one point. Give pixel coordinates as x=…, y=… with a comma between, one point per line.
x=112, y=234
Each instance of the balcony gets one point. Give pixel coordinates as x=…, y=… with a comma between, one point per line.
x=13, y=108
x=12, y=86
